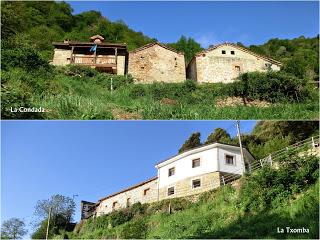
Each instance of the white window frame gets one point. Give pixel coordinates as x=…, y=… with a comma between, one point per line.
x=174, y=190
x=196, y=178
x=196, y=159
x=234, y=159
x=174, y=171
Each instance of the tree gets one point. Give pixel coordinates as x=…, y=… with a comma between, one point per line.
x=187, y=45
x=62, y=209
x=14, y=228
x=219, y=135
x=192, y=142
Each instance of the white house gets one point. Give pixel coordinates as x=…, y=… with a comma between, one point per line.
x=188, y=173
x=199, y=169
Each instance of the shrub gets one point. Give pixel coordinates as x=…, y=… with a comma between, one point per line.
x=137, y=91
x=119, y=217
x=24, y=57
x=14, y=99
x=270, y=86
x=269, y=187
x=134, y=230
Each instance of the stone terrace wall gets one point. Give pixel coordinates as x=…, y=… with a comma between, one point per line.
x=184, y=187
x=213, y=66
x=157, y=64
x=134, y=195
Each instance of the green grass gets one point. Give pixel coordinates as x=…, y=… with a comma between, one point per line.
x=263, y=201
x=72, y=97
x=217, y=216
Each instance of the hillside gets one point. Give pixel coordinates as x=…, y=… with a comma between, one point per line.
x=259, y=204
x=29, y=80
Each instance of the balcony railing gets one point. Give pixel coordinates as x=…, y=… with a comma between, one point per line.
x=94, y=60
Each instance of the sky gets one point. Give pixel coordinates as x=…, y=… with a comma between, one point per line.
x=212, y=22
x=91, y=159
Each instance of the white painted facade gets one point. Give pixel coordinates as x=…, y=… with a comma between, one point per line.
x=212, y=163
x=212, y=159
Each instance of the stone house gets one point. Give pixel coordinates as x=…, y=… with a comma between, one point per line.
x=106, y=57
x=224, y=62
x=156, y=62
x=186, y=174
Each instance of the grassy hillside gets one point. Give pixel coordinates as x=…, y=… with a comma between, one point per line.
x=264, y=201
x=71, y=93
x=76, y=93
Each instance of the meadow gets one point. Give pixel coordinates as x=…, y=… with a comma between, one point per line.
x=81, y=93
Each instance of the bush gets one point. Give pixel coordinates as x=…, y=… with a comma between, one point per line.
x=269, y=187
x=119, y=217
x=270, y=86
x=137, y=90
x=24, y=57
x=14, y=99
x=134, y=230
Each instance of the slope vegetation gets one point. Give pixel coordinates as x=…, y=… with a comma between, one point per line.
x=260, y=203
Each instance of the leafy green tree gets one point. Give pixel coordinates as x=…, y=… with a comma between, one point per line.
x=192, y=142
x=218, y=135
x=13, y=228
x=187, y=45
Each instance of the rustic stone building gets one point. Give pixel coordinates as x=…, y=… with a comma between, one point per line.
x=186, y=174
x=106, y=57
x=224, y=62
x=156, y=62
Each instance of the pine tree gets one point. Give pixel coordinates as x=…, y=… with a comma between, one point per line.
x=192, y=142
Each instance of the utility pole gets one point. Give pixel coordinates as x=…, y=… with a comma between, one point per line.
x=49, y=215
x=241, y=150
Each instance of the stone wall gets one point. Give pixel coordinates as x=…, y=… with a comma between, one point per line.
x=157, y=64
x=130, y=197
x=184, y=188
x=121, y=63
x=213, y=66
x=61, y=57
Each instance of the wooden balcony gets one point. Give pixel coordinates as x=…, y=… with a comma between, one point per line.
x=97, y=61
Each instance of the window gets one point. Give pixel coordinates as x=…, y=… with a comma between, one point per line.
x=196, y=183
x=230, y=159
x=128, y=202
x=238, y=69
x=223, y=51
x=170, y=191
x=114, y=205
x=232, y=52
x=195, y=163
x=145, y=192
x=171, y=172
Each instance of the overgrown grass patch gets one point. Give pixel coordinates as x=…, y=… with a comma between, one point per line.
x=77, y=93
